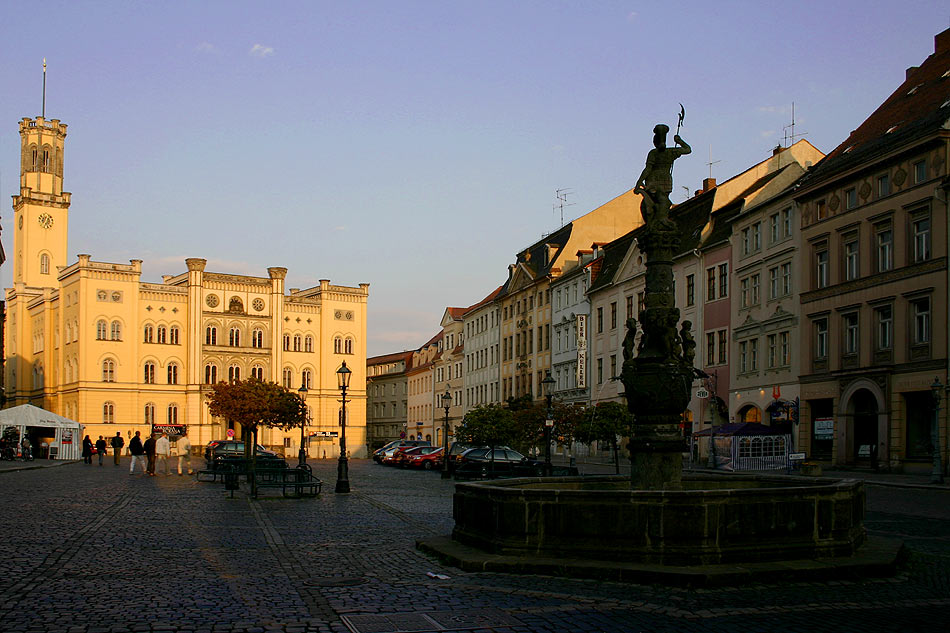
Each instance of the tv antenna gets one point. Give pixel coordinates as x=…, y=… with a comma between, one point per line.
x=790, y=135
x=711, y=161
x=562, y=201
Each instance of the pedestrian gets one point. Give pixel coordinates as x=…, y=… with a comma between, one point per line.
x=100, y=448
x=117, y=443
x=149, y=447
x=87, y=450
x=26, y=449
x=162, y=451
x=183, y=447
x=138, y=454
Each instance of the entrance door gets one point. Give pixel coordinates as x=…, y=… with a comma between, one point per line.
x=864, y=422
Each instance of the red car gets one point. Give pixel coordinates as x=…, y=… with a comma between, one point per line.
x=397, y=456
x=429, y=458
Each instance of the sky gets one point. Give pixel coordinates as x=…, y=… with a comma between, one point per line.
x=415, y=145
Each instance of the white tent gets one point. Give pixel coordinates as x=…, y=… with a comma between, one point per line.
x=66, y=433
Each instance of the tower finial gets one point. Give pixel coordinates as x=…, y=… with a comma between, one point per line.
x=43, y=110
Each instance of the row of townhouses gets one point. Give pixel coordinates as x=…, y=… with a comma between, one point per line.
x=811, y=283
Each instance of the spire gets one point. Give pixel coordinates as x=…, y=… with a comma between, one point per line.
x=43, y=111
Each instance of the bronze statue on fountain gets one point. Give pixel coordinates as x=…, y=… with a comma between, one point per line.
x=658, y=380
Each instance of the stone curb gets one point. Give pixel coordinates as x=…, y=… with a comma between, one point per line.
x=34, y=466
x=878, y=557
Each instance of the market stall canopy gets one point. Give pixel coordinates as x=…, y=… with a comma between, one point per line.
x=28, y=415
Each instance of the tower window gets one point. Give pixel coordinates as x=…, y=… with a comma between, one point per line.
x=101, y=330
x=108, y=370
x=44, y=264
x=116, y=331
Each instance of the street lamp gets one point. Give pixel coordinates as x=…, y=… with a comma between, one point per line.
x=302, y=454
x=936, y=474
x=446, y=404
x=342, y=467
x=547, y=386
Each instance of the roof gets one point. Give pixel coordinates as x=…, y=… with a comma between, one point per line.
x=389, y=358
x=491, y=297
x=29, y=415
x=918, y=109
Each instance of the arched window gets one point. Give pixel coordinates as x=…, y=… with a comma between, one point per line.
x=286, y=342
x=306, y=377
x=308, y=344
x=337, y=345
x=257, y=338
x=288, y=376
x=108, y=413
x=257, y=372
x=348, y=346
x=149, y=334
x=150, y=413
x=162, y=334
x=149, y=373
x=33, y=157
x=116, y=331
x=211, y=374
x=173, y=335
x=44, y=264
x=102, y=330
x=172, y=374
x=173, y=413
x=211, y=335
x=234, y=373
x=108, y=370
x=45, y=158
x=296, y=342
x=234, y=337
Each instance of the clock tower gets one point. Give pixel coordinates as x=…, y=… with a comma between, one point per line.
x=41, y=211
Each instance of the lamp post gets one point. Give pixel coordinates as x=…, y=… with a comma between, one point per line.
x=446, y=404
x=547, y=386
x=302, y=453
x=342, y=467
x=936, y=474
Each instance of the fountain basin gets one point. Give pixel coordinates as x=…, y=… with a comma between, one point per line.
x=713, y=519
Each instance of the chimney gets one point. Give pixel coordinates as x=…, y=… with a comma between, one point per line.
x=942, y=42
x=910, y=71
x=709, y=184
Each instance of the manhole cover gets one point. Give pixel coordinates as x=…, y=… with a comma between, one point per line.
x=339, y=581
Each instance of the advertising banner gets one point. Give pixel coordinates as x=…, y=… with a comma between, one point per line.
x=581, y=351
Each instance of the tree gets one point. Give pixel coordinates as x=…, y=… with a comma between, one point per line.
x=253, y=403
x=488, y=425
x=605, y=422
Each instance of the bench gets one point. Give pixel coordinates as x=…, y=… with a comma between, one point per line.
x=292, y=482
x=221, y=468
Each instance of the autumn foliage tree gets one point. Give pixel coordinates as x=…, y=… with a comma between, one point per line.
x=254, y=403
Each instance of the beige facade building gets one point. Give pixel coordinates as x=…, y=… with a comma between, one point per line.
x=874, y=294
x=91, y=341
x=387, y=398
x=421, y=380
x=480, y=378
x=448, y=371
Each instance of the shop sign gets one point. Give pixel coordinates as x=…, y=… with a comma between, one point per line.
x=170, y=429
x=824, y=428
x=581, y=378
x=67, y=437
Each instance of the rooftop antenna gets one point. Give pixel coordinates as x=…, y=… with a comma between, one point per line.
x=711, y=161
x=44, y=90
x=562, y=201
x=790, y=135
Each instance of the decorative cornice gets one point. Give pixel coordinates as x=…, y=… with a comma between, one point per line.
x=878, y=279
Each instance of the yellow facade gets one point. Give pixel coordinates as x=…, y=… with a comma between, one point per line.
x=94, y=343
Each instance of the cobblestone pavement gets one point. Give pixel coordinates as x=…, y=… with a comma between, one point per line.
x=86, y=549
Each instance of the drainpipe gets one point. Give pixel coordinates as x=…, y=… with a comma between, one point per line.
x=945, y=186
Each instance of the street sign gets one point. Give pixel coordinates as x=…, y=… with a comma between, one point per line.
x=230, y=434
x=702, y=393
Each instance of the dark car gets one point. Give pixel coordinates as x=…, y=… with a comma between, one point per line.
x=379, y=453
x=500, y=462
x=219, y=449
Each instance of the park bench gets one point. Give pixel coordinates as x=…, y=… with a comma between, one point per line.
x=222, y=468
x=292, y=482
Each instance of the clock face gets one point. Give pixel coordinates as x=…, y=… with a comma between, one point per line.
x=45, y=220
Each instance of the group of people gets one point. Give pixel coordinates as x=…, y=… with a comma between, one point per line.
x=156, y=450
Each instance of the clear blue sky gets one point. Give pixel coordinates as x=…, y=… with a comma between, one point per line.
x=416, y=146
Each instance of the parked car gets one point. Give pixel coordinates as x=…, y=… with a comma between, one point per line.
x=429, y=458
x=500, y=462
x=394, y=456
x=455, y=452
x=379, y=453
x=218, y=449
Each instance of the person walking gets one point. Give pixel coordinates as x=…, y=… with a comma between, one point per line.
x=183, y=448
x=87, y=450
x=149, y=447
x=138, y=454
x=117, y=443
x=100, y=448
x=162, y=451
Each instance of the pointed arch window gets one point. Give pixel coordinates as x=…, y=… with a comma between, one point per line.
x=257, y=372
x=102, y=330
x=108, y=370
x=173, y=335
x=148, y=334
x=173, y=413
x=308, y=344
x=172, y=373
x=150, y=413
x=44, y=264
x=234, y=337
x=162, y=334
x=288, y=377
x=211, y=374
x=149, y=373
x=45, y=159
x=211, y=335
x=234, y=373
x=257, y=338
x=108, y=413
x=115, y=331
